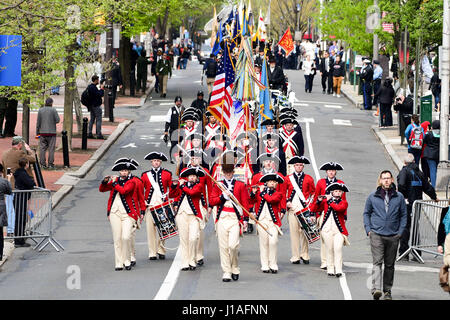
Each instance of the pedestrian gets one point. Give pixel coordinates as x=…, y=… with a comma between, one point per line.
x=172, y=130
x=157, y=186
x=163, y=70
x=200, y=105
x=22, y=181
x=386, y=95
x=426, y=126
x=122, y=211
x=443, y=238
x=412, y=183
x=210, y=70
x=404, y=105
x=431, y=142
x=19, y=149
x=142, y=66
x=267, y=201
x=189, y=215
x=366, y=76
x=95, y=106
x=5, y=189
x=377, y=75
x=385, y=219
x=116, y=76
x=300, y=187
x=229, y=220
x=185, y=57
x=324, y=68
x=435, y=87
x=46, y=130
x=338, y=75
x=309, y=69
x=414, y=135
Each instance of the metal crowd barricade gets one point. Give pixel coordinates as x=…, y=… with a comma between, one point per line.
x=425, y=221
x=33, y=218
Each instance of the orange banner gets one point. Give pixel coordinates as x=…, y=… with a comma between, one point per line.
x=286, y=42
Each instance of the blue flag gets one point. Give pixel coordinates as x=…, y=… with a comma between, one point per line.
x=216, y=48
x=264, y=95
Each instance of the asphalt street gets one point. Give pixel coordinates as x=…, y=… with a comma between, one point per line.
x=333, y=130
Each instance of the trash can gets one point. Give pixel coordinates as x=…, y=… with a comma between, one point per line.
x=426, y=108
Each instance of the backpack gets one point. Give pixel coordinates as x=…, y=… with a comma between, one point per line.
x=416, y=138
x=415, y=180
x=211, y=69
x=85, y=98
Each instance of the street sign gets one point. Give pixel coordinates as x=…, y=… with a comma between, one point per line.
x=10, y=60
x=372, y=18
x=358, y=61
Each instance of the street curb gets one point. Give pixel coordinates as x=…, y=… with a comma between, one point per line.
x=390, y=150
x=352, y=100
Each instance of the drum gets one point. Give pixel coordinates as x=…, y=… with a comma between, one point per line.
x=164, y=220
x=307, y=221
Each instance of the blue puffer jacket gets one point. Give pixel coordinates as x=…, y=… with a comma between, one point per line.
x=376, y=219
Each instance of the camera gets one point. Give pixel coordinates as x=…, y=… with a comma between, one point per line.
x=8, y=171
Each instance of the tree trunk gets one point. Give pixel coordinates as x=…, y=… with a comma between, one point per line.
x=125, y=63
x=26, y=121
x=78, y=110
x=70, y=88
x=161, y=26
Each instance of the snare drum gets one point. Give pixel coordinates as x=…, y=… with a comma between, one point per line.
x=309, y=226
x=163, y=216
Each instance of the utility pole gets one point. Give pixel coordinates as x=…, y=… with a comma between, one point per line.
x=108, y=57
x=375, y=38
x=443, y=172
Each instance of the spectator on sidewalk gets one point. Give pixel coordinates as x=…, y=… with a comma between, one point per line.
x=325, y=72
x=435, y=87
x=142, y=66
x=431, y=150
x=366, y=76
x=443, y=237
x=116, y=75
x=426, y=126
x=46, y=130
x=19, y=149
x=95, y=97
x=414, y=135
x=338, y=75
x=5, y=190
x=404, y=105
x=377, y=75
x=10, y=116
x=386, y=95
x=163, y=70
x=23, y=181
x=412, y=183
x=385, y=220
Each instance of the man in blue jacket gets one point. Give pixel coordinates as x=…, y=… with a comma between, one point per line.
x=385, y=220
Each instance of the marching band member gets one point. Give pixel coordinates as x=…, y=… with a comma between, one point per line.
x=189, y=215
x=300, y=187
x=229, y=220
x=172, y=127
x=331, y=169
x=271, y=141
x=189, y=117
x=333, y=229
x=292, y=140
x=211, y=130
x=157, y=189
x=122, y=212
x=267, y=207
x=270, y=125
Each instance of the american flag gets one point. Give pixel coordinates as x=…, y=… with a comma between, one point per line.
x=221, y=101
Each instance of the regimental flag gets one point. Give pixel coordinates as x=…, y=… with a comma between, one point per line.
x=219, y=38
x=264, y=96
x=261, y=33
x=214, y=29
x=221, y=101
x=286, y=42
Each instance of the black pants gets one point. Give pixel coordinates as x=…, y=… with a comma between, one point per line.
x=173, y=146
x=376, y=86
x=20, y=207
x=141, y=81
x=10, y=117
x=1, y=243
x=325, y=81
x=330, y=82
x=385, y=115
x=425, y=168
x=2, y=118
x=367, y=92
x=308, y=82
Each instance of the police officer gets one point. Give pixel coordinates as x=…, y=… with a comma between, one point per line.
x=366, y=76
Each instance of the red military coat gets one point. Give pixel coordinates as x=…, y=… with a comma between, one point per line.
x=273, y=198
x=306, y=185
x=333, y=209
x=193, y=194
x=239, y=190
x=281, y=187
x=128, y=193
x=163, y=179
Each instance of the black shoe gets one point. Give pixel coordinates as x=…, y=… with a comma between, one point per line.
x=101, y=138
x=51, y=166
x=338, y=275
x=185, y=269
x=133, y=263
x=22, y=245
x=305, y=261
x=296, y=262
x=161, y=256
x=273, y=271
x=376, y=294
x=331, y=274
x=250, y=228
x=152, y=258
x=191, y=268
x=128, y=267
x=235, y=277
x=164, y=95
x=323, y=92
x=323, y=268
x=172, y=162
x=91, y=136
x=387, y=295
x=200, y=262
x=266, y=271
x=118, y=269
x=226, y=279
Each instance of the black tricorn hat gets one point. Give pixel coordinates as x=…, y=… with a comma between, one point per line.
x=337, y=186
x=270, y=136
x=269, y=122
x=156, y=156
x=124, y=166
x=331, y=166
x=287, y=120
x=189, y=116
x=268, y=156
x=298, y=159
x=272, y=59
x=228, y=167
x=192, y=171
x=198, y=136
x=271, y=177
x=125, y=160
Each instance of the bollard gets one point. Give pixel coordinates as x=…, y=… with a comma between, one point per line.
x=84, y=134
x=111, y=106
x=65, y=144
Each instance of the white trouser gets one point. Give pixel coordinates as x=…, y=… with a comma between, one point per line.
x=189, y=232
x=268, y=245
x=122, y=228
x=228, y=231
x=323, y=251
x=299, y=242
x=155, y=245
x=334, y=241
x=201, y=240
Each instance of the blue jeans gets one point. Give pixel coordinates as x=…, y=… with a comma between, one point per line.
x=432, y=164
x=9, y=199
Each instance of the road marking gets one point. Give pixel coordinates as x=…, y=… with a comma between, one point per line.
x=165, y=100
x=171, y=279
x=130, y=145
x=333, y=106
x=342, y=279
x=306, y=120
x=157, y=119
x=296, y=104
x=365, y=265
x=318, y=102
x=166, y=103
x=340, y=122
